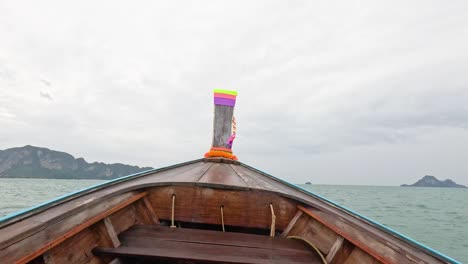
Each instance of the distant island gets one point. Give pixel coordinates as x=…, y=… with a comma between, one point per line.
x=308, y=183
x=36, y=162
x=431, y=181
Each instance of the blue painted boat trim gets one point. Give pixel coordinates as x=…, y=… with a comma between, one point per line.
x=294, y=186
x=349, y=211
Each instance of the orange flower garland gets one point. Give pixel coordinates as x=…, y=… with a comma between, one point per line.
x=220, y=153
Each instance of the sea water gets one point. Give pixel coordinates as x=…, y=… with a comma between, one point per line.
x=436, y=217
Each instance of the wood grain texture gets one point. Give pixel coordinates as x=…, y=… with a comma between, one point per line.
x=360, y=238
x=213, y=246
x=360, y=257
x=291, y=223
x=150, y=210
x=241, y=208
x=104, y=233
x=187, y=174
x=76, y=249
x=199, y=253
x=221, y=174
x=35, y=245
x=320, y=235
x=111, y=232
x=124, y=219
x=343, y=253
x=142, y=214
x=336, y=247
x=256, y=180
x=222, y=125
x=155, y=233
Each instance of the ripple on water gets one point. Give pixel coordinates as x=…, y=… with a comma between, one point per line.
x=422, y=206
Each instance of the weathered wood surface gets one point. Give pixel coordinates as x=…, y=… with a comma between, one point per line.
x=204, y=245
x=104, y=234
x=124, y=219
x=358, y=256
x=343, y=253
x=76, y=249
x=360, y=238
x=222, y=125
x=255, y=180
x=150, y=210
x=222, y=174
x=111, y=232
x=336, y=247
x=291, y=223
x=54, y=234
x=155, y=233
x=202, y=205
x=317, y=233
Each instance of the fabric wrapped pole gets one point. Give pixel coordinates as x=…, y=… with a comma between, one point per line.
x=224, y=102
x=228, y=96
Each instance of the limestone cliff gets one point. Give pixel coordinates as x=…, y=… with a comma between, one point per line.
x=35, y=162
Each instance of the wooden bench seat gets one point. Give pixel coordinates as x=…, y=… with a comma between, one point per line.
x=151, y=242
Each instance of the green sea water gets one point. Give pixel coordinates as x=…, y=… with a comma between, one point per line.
x=437, y=217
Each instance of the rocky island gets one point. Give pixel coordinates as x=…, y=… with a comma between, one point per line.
x=431, y=181
x=36, y=162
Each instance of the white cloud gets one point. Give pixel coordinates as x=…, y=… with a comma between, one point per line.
x=132, y=82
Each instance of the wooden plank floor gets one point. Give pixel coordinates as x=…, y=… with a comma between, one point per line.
x=151, y=242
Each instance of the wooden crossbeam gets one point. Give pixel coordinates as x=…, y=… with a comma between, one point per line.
x=111, y=232
x=150, y=210
x=291, y=223
x=335, y=248
x=346, y=234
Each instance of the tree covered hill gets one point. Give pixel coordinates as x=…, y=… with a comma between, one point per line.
x=36, y=162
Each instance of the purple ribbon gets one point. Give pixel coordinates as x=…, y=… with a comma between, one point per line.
x=224, y=101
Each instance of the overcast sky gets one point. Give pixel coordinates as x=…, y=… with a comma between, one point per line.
x=331, y=92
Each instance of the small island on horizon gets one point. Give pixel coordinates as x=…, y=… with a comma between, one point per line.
x=431, y=181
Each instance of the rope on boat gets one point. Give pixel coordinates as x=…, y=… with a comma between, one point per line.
x=172, y=215
x=312, y=245
x=273, y=221
x=222, y=216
